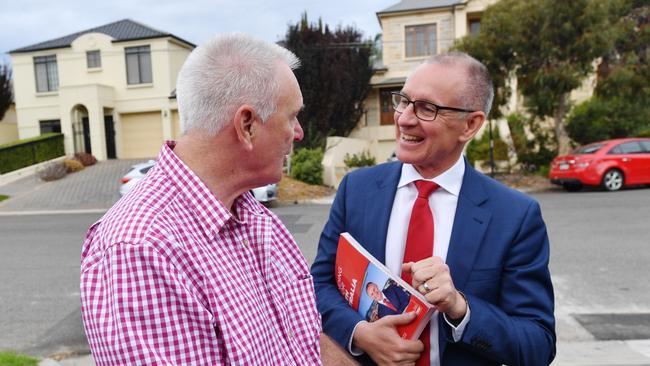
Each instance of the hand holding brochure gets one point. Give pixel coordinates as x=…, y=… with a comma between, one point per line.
x=371, y=290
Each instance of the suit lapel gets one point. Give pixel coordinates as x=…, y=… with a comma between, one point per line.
x=470, y=224
x=379, y=204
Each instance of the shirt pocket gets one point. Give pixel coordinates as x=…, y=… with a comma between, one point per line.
x=302, y=320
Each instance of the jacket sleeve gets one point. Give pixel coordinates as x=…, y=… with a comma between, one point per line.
x=339, y=319
x=519, y=329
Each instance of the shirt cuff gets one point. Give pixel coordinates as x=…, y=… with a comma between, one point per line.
x=457, y=330
x=355, y=351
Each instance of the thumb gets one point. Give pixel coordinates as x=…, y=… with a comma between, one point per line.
x=400, y=319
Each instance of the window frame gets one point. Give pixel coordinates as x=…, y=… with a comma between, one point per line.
x=142, y=55
x=51, y=70
x=50, y=124
x=98, y=59
x=425, y=41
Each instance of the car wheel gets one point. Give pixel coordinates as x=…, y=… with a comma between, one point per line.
x=572, y=187
x=612, y=180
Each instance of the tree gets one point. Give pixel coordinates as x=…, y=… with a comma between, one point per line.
x=6, y=93
x=549, y=46
x=334, y=78
x=620, y=106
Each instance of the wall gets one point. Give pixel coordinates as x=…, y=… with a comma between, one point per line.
x=8, y=126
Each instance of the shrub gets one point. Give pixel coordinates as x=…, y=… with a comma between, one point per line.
x=52, y=171
x=22, y=153
x=85, y=159
x=73, y=165
x=535, y=153
x=359, y=160
x=479, y=149
x=306, y=165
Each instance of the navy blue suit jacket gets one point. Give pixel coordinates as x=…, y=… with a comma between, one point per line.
x=397, y=297
x=498, y=257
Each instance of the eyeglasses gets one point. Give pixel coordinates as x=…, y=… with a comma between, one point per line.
x=423, y=110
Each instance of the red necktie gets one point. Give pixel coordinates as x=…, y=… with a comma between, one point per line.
x=419, y=245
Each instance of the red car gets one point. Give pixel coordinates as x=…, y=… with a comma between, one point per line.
x=611, y=164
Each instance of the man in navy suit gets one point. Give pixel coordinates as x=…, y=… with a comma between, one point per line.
x=488, y=271
x=391, y=300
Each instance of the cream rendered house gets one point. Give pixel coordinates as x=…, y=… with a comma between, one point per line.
x=412, y=30
x=109, y=89
x=8, y=126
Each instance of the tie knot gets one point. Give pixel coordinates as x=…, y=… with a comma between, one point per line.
x=425, y=188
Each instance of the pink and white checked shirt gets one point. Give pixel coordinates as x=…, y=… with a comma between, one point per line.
x=170, y=277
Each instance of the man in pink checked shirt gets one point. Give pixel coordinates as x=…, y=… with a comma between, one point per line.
x=188, y=268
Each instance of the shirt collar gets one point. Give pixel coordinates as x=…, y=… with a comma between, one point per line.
x=450, y=180
x=206, y=206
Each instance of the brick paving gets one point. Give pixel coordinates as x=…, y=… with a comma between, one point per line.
x=94, y=188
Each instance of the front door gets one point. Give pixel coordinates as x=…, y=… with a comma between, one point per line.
x=86, y=129
x=109, y=132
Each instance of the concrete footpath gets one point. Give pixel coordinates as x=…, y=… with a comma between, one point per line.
x=593, y=353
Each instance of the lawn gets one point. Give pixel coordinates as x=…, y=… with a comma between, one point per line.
x=3, y=197
x=13, y=359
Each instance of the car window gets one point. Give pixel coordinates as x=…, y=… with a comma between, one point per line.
x=146, y=169
x=646, y=145
x=589, y=149
x=631, y=147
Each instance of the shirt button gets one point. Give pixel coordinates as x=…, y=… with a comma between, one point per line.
x=290, y=335
x=246, y=242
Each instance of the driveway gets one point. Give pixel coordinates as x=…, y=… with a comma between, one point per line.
x=94, y=188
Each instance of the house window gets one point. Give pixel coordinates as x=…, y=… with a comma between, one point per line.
x=53, y=125
x=93, y=59
x=474, y=26
x=47, y=75
x=421, y=40
x=138, y=65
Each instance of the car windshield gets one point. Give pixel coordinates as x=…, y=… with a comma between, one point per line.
x=589, y=149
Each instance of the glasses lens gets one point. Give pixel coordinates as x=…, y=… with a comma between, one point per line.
x=399, y=102
x=425, y=111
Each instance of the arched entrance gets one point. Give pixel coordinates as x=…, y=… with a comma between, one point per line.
x=80, y=129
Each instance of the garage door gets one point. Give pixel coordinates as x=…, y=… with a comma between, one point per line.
x=142, y=135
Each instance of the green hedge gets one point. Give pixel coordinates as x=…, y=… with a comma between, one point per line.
x=23, y=153
x=306, y=165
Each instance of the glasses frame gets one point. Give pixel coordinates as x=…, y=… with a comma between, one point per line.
x=420, y=102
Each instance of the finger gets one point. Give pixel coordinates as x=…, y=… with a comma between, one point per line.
x=428, y=262
x=414, y=348
x=406, y=267
x=424, y=274
x=400, y=319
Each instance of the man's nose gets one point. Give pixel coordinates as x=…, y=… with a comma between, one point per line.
x=407, y=116
x=298, y=133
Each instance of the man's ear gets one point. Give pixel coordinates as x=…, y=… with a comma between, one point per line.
x=473, y=124
x=244, y=122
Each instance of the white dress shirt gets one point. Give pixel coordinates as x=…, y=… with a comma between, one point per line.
x=443, y=203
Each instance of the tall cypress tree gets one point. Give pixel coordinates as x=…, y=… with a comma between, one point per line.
x=334, y=78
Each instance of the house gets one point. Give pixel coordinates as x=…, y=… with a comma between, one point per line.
x=8, y=125
x=412, y=30
x=108, y=89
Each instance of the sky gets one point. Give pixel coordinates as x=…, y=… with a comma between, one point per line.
x=26, y=22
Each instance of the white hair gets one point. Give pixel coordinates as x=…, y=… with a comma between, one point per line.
x=224, y=73
x=479, y=91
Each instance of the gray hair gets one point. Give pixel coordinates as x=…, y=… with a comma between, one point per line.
x=224, y=73
x=479, y=91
